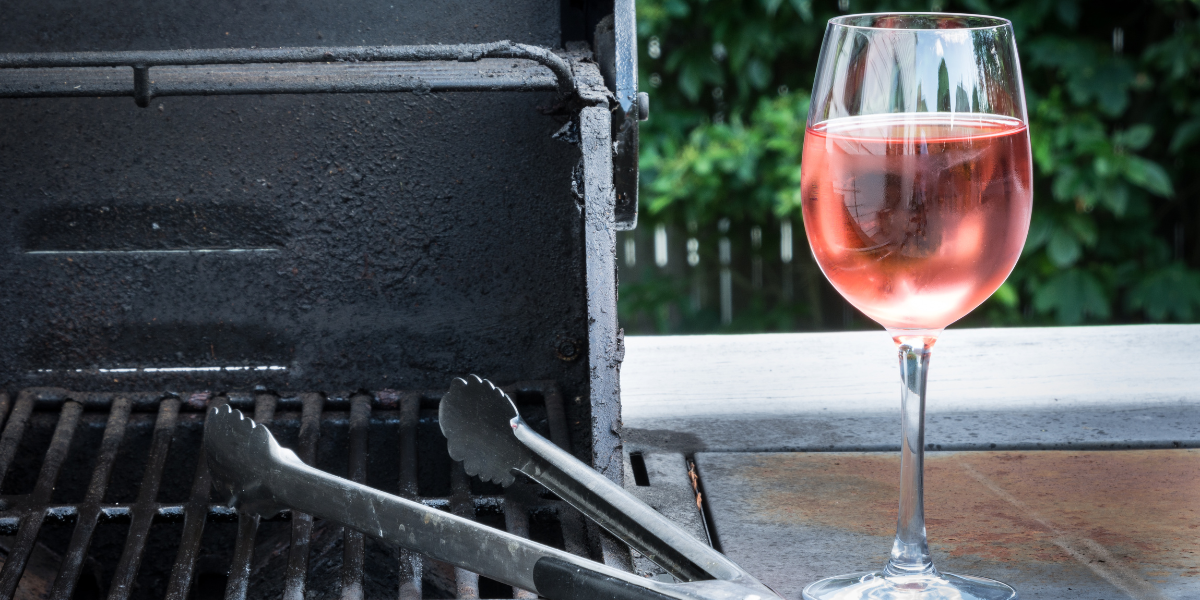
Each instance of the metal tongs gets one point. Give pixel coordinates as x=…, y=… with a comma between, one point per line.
x=485, y=431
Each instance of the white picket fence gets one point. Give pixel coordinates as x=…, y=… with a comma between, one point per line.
x=728, y=267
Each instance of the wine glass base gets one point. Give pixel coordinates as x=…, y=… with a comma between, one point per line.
x=879, y=586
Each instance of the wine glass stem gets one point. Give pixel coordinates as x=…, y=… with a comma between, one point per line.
x=910, y=552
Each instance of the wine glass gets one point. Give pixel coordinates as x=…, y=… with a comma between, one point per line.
x=916, y=192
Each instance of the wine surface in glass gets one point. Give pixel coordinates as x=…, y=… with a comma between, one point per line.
x=917, y=218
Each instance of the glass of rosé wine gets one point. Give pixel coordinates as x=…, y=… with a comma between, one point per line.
x=916, y=192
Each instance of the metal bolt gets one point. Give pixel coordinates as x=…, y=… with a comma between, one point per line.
x=567, y=350
x=643, y=104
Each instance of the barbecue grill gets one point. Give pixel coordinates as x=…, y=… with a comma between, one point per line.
x=318, y=216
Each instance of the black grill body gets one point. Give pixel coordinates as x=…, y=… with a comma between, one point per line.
x=325, y=260
x=374, y=240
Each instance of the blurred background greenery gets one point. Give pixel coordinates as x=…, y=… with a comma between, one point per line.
x=1114, y=104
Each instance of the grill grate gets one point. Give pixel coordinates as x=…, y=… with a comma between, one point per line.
x=136, y=452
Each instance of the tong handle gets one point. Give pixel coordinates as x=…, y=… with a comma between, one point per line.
x=560, y=579
x=493, y=553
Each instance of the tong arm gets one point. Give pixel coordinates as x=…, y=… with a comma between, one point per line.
x=485, y=431
x=621, y=513
x=262, y=477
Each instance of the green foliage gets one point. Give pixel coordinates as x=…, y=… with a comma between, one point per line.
x=1115, y=130
x=1172, y=292
x=735, y=169
x=1072, y=295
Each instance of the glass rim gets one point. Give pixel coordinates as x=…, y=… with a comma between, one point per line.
x=999, y=22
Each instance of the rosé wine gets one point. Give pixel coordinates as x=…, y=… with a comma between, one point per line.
x=916, y=219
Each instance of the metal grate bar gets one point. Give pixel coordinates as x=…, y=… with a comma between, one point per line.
x=461, y=505
x=573, y=529
x=355, y=547
x=193, y=523
x=412, y=567
x=243, y=550
x=264, y=408
x=607, y=548
x=60, y=445
x=571, y=522
x=89, y=512
x=4, y=406
x=29, y=512
x=145, y=509
x=302, y=523
x=516, y=515
x=11, y=438
x=556, y=417
x=516, y=521
x=410, y=415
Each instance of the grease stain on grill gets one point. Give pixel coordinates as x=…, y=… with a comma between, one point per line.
x=199, y=346
x=161, y=436
x=123, y=226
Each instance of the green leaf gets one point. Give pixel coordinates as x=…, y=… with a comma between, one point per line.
x=1072, y=296
x=1063, y=249
x=1185, y=135
x=1169, y=293
x=1109, y=84
x=758, y=74
x=1068, y=184
x=1084, y=228
x=1149, y=176
x=1136, y=137
x=1115, y=198
x=689, y=82
x=771, y=6
x=1006, y=295
x=804, y=9
x=1068, y=12
x=1039, y=231
x=677, y=8
x=980, y=7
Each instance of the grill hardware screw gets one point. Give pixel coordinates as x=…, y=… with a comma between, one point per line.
x=567, y=350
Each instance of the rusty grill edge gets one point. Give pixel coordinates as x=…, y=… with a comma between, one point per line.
x=89, y=68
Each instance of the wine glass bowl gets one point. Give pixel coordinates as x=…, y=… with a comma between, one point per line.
x=916, y=219
x=917, y=178
x=916, y=188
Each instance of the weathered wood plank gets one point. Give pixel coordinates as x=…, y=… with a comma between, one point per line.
x=1077, y=387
